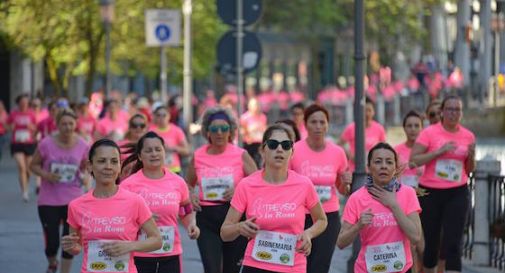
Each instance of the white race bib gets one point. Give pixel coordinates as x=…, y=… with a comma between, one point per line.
x=167, y=236
x=324, y=193
x=410, y=180
x=22, y=135
x=274, y=248
x=99, y=261
x=388, y=257
x=67, y=172
x=449, y=169
x=213, y=188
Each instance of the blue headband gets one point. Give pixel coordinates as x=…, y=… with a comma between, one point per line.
x=219, y=115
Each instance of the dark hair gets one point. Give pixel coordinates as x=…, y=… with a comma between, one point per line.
x=450, y=97
x=381, y=145
x=431, y=104
x=103, y=142
x=130, y=121
x=368, y=100
x=315, y=108
x=292, y=125
x=65, y=112
x=164, y=107
x=20, y=97
x=134, y=150
x=276, y=127
x=206, y=121
x=412, y=113
x=298, y=105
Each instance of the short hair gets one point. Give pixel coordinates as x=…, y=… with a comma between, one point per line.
x=65, y=112
x=276, y=127
x=450, y=97
x=433, y=103
x=205, y=120
x=382, y=145
x=298, y=105
x=412, y=113
x=315, y=108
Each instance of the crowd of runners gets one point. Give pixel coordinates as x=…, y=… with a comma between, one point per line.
x=117, y=181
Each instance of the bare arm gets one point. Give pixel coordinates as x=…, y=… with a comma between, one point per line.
x=470, y=163
x=319, y=221
x=36, y=168
x=420, y=157
x=72, y=243
x=182, y=148
x=189, y=222
x=249, y=165
x=232, y=227
x=349, y=232
x=191, y=174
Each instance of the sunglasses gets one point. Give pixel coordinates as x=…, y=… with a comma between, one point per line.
x=137, y=125
x=433, y=114
x=161, y=115
x=286, y=145
x=215, y=128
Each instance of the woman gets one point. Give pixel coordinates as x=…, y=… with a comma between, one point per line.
x=412, y=126
x=114, y=124
x=433, y=112
x=274, y=201
x=325, y=163
x=215, y=170
x=86, y=123
x=3, y=127
x=137, y=127
x=292, y=126
x=105, y=222
x=23, y=125
x=164, y=193
x=176, y=144
x=384, y=214
x=59, y=160
x=448, y=151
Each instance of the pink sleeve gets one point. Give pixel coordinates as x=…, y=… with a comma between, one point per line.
x=239, y=200
x=180, y=136
x=72, y=217
x=423, y=138
x=345, y=136
x=184, y=190
x=413, y=203
x=311, y=199
x=350, y=212
x=343, y=163
x=383, y=134
x=144, y=213
x=10, y=118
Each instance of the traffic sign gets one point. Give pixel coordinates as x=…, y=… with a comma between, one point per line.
x=163, y=27
x=227, y=52
x=227, y=11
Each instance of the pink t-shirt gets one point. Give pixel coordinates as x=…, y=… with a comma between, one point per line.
x=164, y=197
x=322, y=168
x=118, y=127
x=227, y=167
x=278, y=208
x=21, y=121
x=254, y=125
x=448, y=170
x=173, y=136
x=67, y=163
x=303, y=131
x=86, y=126
x=384, y=229
x=409, y=176
x=374, y=134
x=46, y=127
x=119, y=217
x=3, y=120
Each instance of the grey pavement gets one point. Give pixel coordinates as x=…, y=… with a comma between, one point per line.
x=22, y=245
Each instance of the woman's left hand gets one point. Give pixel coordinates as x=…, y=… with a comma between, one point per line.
x=228, y=194
x=117, y=248
x=306, y=245
x=387, y=198
x=193, y=232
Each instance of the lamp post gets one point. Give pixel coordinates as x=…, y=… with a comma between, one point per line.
x=187, y=71
x=107, y=14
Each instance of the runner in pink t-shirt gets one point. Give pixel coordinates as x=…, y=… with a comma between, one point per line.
x=384, y=214
x=297, y=111
x=176, y=144
x=114, y=124
x=274, y=202
x=326, y=165
x=252, y=126
x=106, y=221
x=59, y=160
x=86, y=123
x=165, y=193
x=137, y=127
x=447, y=150
x=47, y=126
x=374, y=133
x=213, y=174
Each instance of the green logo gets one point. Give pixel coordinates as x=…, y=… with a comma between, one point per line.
x=398, y=265
x=284, y=258
x=119, y=266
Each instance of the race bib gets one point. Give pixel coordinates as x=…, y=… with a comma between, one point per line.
x=99, y=261
x=213, y=188
x=274, y=248
x=449, y=169
x=324, y=193
x=167, y=236
x=22, y=135
x=410, y=180
x=385, y=258
x=67, y=172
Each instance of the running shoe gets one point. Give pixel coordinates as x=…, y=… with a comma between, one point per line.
x=52, y=268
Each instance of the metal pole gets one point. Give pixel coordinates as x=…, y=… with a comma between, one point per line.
x=163, y=74
x=187, y=71
x=496, y=65
x=108, y=84
x=359, y=174
x=486, y=57
x=240, y=71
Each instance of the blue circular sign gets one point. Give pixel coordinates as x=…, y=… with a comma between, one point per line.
x=162, y=33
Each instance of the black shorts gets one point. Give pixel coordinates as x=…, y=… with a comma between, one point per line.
x=26, y=148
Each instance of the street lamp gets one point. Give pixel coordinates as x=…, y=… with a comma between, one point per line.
x=107, y=14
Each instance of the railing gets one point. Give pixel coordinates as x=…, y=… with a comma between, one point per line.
x=469, y=235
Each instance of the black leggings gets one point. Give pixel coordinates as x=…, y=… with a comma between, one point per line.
x=168, y=264
x=248, y=269
x=51, y=218
x=323, y=245
x=444, y=209
x=218, y=256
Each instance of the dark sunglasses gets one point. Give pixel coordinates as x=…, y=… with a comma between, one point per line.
x=433, y=114
x=137, y=125
x=215, y=128
x=286, y=145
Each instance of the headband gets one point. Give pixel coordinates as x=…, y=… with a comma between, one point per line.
x=219, y=115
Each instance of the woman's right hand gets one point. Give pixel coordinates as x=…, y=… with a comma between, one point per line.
x=52, y=177
x=248, y=228
x=447, y=147
x=365, y=218
x=70, y=242
x=195, y=201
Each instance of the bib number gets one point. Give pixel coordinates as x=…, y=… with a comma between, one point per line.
x=449, y=169
x=167, y=236
x=385, y=257
x=66, y=172
x=274, y=248
x=99, y=261
x=22, y=135
x=213, y=188
x=410, y=180
x=324, y=193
